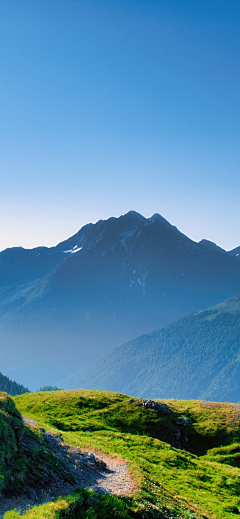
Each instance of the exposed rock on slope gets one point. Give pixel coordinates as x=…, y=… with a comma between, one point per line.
x=37, y=466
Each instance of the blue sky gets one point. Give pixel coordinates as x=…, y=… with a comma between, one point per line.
x=108, y=106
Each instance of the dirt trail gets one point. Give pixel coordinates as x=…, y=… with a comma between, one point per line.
x=93, y=469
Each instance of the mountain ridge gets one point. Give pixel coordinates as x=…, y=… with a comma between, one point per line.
x=108, y=283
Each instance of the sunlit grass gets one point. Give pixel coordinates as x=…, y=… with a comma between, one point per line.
x=188, y=481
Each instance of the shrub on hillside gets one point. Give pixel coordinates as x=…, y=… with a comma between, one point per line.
x=49, y=388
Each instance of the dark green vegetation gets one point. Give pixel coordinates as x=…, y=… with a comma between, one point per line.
x=49, y=388
x=11, y=387
x=85, y=504
x=24, y=461
x=110, y=282
x=195, y=357
x=182, y=470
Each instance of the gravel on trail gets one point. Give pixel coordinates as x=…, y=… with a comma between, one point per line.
x=93, y=470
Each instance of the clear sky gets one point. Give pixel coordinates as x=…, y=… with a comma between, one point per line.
x=108, y=106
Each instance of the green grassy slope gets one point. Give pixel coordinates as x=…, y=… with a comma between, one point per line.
x=24, y=460
x=197, y=356
x=12, y=464
x=195, y=474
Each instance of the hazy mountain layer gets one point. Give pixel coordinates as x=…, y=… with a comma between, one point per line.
x=63, y=307
x=196, y=357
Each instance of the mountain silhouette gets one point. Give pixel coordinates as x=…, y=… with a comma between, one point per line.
x=64, y=306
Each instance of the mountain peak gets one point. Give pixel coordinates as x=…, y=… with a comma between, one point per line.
x=132, y=219
x=156, y=217
x=133, y=214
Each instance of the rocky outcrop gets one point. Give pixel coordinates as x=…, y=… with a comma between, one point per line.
x=158, y=406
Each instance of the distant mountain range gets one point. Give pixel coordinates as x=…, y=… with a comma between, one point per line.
x=65, y=306
x=196, y=357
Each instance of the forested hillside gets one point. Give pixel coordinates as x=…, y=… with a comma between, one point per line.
x=197, y=356
x=11, y=387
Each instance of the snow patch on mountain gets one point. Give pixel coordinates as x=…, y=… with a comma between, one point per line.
x=72, y=251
